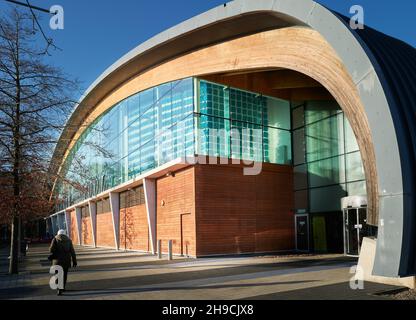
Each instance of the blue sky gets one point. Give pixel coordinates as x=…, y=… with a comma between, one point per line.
x=98, y=32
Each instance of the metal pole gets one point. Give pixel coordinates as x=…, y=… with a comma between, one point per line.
x=170, y=247
x=159, y=249
x=358, y=231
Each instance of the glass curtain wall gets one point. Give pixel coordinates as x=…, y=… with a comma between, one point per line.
x=156, y=126
x=327, y=160
x=140, y=133
x=193, y=116
x=242, y=125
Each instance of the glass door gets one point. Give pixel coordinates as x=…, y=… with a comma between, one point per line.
x=302, y=232
x=353, y=230
x=362, y=227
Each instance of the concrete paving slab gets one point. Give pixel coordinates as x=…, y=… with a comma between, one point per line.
x=135, y=276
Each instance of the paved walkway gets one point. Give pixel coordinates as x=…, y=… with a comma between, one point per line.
x=107, y=274
x=4, y=262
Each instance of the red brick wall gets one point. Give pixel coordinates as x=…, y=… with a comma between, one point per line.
x=87, y=239
x=105, y=231
x=74, y=228
x=134, y=231
x=243, y=214
x=177, y=212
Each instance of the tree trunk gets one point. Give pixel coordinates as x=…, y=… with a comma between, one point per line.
x=35, y=97
x=14, y=247
x=19, y=242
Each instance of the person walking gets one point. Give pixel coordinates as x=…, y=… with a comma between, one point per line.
x=62, y=252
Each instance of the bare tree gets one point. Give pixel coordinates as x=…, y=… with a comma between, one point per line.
x=35, y=100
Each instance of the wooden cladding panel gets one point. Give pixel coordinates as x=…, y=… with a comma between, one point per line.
x=188, y=234
x=243, y=214
x=85, y=212
x=105, y=230
x=209, y=210
x=74, y=227
x=103, y=206
x=275, y=84
x=132, y=197
x=86, y=227
x=176, y=212
x=134, y=230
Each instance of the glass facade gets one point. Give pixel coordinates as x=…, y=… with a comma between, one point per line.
x=57, y=222
x=242, y=125
x=196, y=117
x=140, y=133
x=174, y=120
x=327, y=159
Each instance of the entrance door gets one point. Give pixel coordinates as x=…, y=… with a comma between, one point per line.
x=362, y=227
x=319, y=234
x=186, y=232
x=302, y=232
x=354, y=230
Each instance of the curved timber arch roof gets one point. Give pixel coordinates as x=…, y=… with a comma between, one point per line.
x=382, y=71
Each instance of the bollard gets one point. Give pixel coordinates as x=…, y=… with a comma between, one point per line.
x=159, y=249
x=170, y=249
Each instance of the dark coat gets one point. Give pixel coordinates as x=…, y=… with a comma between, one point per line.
x=63, y=251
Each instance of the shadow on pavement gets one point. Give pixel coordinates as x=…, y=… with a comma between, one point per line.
x=86, y=292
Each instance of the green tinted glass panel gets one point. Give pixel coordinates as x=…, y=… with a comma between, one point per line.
x=318, y=110
x=277, y=146
x=327, y=199
x=325, y=138
x=327, y=172
x=213, y=99
x=252, y=122
x=213, y=136
x=355, y=168
x=298, y=117
x=246, y=141
x=357, y=188
x=246, y=106
x=276, y=113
